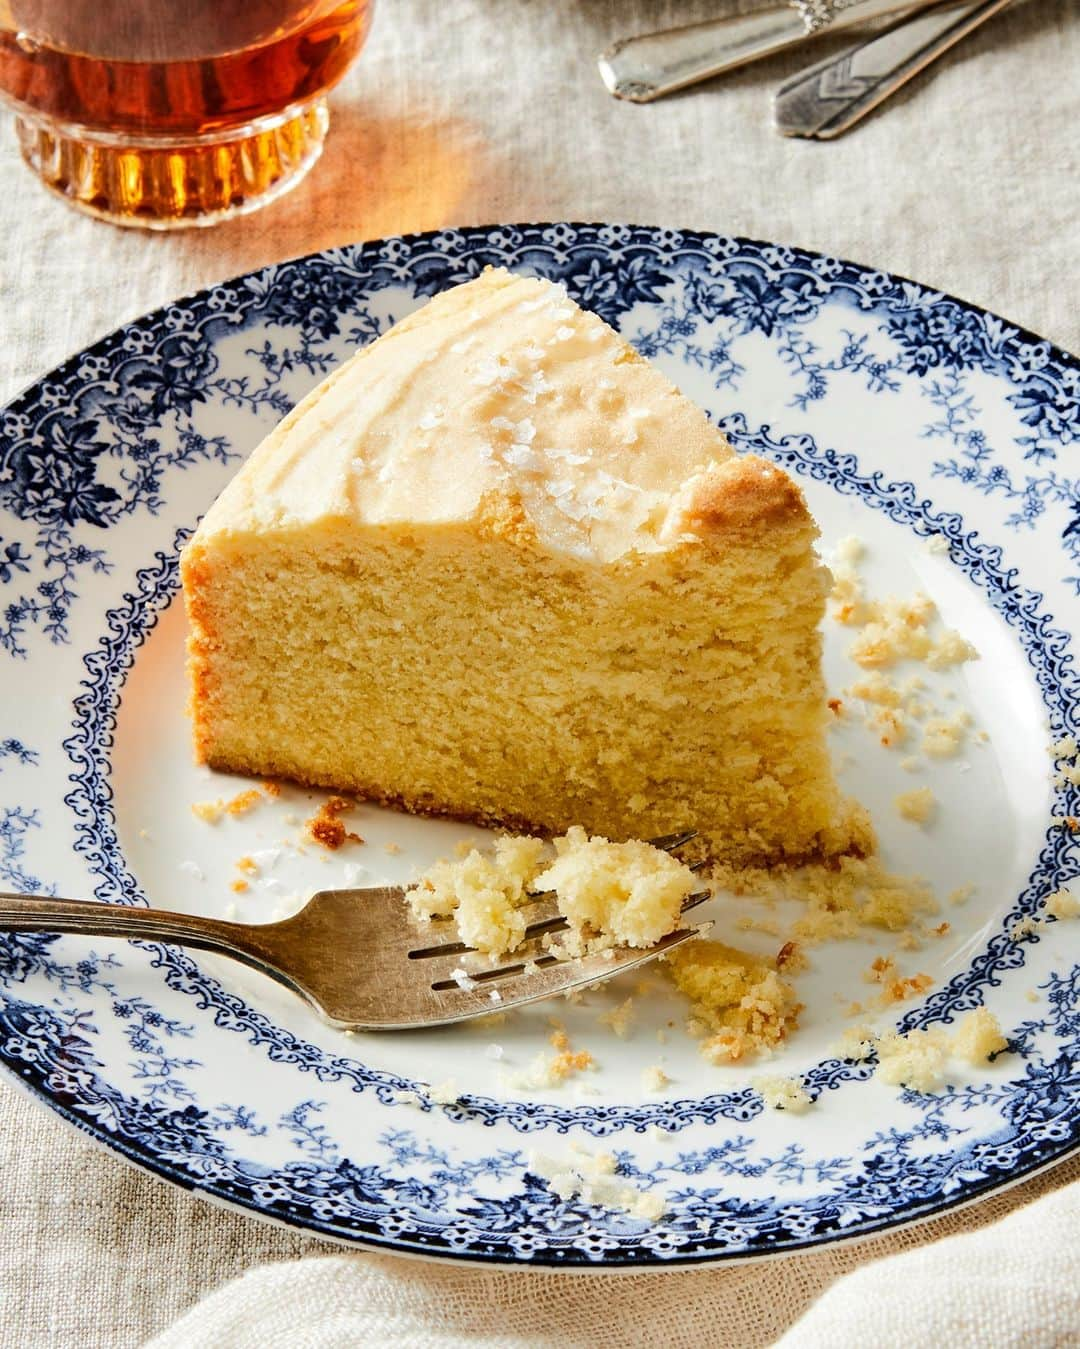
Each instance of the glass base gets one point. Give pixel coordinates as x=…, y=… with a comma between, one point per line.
x=167, y=185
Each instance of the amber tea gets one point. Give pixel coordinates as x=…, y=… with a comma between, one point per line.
x=172, y=112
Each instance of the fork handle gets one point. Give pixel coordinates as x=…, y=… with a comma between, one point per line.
x=41, y=913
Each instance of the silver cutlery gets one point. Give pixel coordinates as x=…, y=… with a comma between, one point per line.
x=647, y=67
x=829, y=98
x=358, y=956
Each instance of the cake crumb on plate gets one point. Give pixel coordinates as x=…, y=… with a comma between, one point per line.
x=978, y=1037
x=916, y=1059
x=917, y=805
x=783, y=1093
x=1062, y=905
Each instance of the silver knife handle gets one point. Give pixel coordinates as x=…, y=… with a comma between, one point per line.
x=646, y=67
x=831, y=97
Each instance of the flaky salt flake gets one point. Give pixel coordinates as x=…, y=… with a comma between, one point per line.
x=521, y=456
x=560, y=487
x=533, y=385
x=570, y=457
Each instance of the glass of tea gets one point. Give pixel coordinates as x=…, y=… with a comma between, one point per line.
x=165, y=113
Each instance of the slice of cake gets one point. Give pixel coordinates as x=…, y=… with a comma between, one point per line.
x=497, y=567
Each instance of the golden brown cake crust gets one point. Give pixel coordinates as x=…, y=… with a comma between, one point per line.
x=858, y=846
x=742, y=494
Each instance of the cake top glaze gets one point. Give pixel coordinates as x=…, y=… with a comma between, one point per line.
x=501, y=387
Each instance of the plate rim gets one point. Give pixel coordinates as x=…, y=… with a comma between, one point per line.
x=642, y=1259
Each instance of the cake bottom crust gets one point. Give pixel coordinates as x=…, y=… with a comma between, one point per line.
x=853, y=834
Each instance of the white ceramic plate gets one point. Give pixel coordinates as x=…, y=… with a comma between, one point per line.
x=905, y=415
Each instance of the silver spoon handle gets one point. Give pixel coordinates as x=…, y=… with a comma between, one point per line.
x=40, y=913
x=643, y=68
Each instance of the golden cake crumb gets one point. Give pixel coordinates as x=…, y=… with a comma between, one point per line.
x=627, y=894
x=791, y=958
x=239, y=886
x=857, y=893
x=950, y=649
x=483, y=894
x=1062, y=905
x=594, y=1178
x=944, y=736
x=961, y=894
x=654, y=1078
x=212, y=811
x=552, y=1070
x=856, y=1043
x=876, y=688
x=783, y=1093
x=893, y=630
x=978, y=1037
x=619, y=1019
x=917, y=805
x=326, y=826
x=444, y=1093
x=739, y=997
x=916, y=1060
x=1024, y=928
x=895, y=987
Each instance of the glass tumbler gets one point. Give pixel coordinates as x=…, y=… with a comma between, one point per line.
x=166, y=113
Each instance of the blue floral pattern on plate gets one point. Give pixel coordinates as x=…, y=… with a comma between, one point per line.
x=104, y=467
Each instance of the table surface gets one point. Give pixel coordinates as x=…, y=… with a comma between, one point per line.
x=476, y=111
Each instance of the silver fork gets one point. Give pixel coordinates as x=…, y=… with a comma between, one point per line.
x=358, y=956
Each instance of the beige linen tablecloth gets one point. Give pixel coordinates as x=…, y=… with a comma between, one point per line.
x=463, y=112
